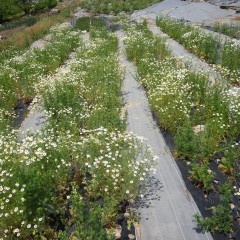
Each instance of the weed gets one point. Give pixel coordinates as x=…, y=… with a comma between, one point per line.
x=202, y=176
x=221, y=220
x=186, y=143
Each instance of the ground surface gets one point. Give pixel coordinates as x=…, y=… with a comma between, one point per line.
x=168, y=208
x=196, y=12
x=160, y=221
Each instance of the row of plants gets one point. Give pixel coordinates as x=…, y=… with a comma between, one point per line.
x=206, y=46
x=203, y=120
x=114, y=6
x=19, y=73
x=71, y=179
x=231, y=30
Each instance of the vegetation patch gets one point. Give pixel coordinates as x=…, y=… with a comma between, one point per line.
x=85, y=23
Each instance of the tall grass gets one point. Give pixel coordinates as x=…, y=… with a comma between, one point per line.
x=28, y=35
x=25, y=37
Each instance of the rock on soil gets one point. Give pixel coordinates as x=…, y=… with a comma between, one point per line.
x=79, y=12
x=54, y=11
x=118, y=232
x=198, y=128
x=40, y=44
x=131, y=236
x=48, y=37
x=2, y=37
x=225, y=4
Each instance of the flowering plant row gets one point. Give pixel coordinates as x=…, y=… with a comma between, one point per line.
x=68, y=180
x=204, y=120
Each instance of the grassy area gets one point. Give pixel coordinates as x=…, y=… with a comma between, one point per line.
x=22, y=39
x=28, y=35
x=183, y=102
x=206, y=46
x=68, y=180
x=114, y=6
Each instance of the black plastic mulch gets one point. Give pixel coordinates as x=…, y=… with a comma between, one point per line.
x=206, y=201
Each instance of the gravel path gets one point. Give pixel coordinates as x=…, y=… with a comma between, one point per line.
x=167, y=209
